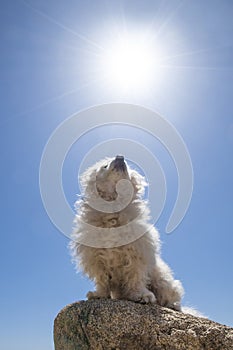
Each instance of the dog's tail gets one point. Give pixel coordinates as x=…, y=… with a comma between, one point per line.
x=192, y=311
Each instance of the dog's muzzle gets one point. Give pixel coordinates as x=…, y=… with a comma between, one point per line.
x=119, y=164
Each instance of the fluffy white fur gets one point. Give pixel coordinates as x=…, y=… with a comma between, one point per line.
x=134, y=271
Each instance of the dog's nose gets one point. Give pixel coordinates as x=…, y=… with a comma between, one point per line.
x=120, y=158
x=118, y=163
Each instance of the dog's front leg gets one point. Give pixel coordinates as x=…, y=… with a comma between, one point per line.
x=132, y=287
x=102, y=288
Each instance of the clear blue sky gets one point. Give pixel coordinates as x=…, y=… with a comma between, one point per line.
x=47, y=70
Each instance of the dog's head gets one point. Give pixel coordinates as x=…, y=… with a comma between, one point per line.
x=107, y=173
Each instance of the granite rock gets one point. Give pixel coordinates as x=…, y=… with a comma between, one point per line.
x=124, y=325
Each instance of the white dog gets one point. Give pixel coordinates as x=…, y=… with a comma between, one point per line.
x=115, y=244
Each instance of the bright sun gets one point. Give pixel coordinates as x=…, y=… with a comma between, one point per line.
x=130, y=64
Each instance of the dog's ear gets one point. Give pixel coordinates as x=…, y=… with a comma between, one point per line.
x=139, y=182
x=88, y=178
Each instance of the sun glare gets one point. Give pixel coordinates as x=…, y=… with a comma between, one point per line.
x=130, y=64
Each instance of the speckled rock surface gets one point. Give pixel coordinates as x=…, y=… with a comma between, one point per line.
x=125, y=325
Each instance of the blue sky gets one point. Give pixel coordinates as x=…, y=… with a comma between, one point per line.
x=48, y=72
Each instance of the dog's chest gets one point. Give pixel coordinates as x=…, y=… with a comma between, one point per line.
x=117, y=258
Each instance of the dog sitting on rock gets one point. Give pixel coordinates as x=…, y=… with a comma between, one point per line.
x=113, y=241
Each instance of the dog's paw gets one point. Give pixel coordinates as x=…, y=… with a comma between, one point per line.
x=174, y=306
x=93, y=295
x=148, y=297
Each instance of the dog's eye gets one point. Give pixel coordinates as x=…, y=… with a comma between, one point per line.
x=104, y=167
